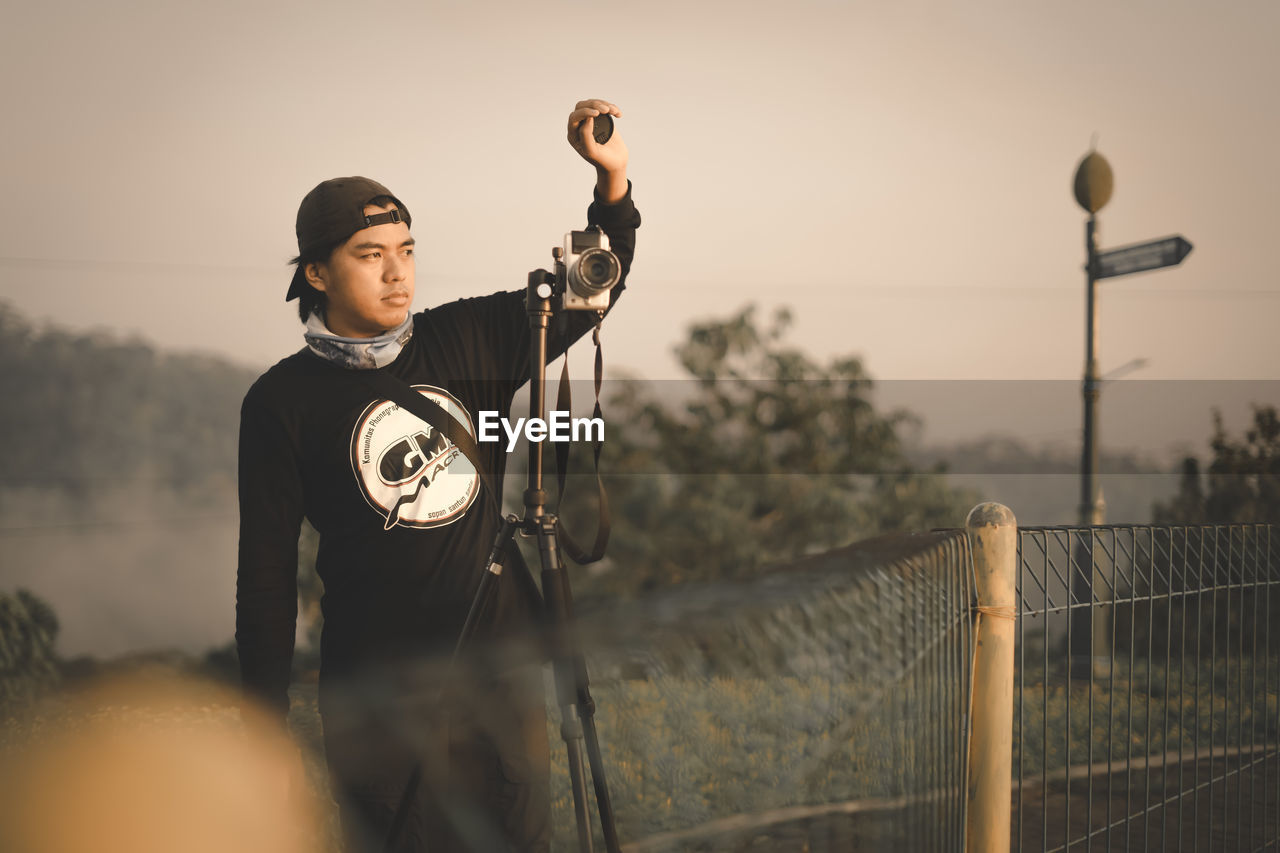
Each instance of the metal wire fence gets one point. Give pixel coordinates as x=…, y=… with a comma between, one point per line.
x=1147, y=675
x=824, y=707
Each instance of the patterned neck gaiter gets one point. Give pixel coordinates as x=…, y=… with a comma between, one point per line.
x=357, y=353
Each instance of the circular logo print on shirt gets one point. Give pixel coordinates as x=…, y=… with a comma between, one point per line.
x=409, y=471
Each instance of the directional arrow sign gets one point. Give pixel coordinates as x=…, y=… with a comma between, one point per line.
x=1140, y=257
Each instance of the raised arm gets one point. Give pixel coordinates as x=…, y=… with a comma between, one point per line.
x=609, y=159
x=612, y=209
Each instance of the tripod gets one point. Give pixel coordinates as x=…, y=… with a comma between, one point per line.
x=577, y=708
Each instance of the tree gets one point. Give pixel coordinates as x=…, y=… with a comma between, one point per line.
x=92, y=413
x=761, y=457
x=1243, y=477
x=1242, y=487
x=28, y=663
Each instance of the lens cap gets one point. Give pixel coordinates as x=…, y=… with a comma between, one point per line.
x=603, y=128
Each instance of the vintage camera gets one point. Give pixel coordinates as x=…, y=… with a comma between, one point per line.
x=586, y=270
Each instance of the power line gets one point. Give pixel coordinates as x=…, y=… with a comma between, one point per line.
x=133, y=522
x=78, y=479
x=798, y=281
x=139, y=264
x=928, y=290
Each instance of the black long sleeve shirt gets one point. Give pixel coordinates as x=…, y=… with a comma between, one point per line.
x=404, y=530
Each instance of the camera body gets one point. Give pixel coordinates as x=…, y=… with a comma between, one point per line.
x=586, y=270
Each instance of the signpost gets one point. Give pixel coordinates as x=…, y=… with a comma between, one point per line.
x=1140, y=257
x=1089, y=632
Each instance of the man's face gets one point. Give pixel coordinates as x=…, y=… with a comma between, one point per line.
x=368, y=280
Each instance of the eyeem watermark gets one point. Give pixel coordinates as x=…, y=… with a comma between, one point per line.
x=557, y=427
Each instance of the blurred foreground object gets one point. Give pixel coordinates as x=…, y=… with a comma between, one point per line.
x=155, y=762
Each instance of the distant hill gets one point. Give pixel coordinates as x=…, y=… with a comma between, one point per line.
x=117, y=493
x=1042, y=484
x=86, y=410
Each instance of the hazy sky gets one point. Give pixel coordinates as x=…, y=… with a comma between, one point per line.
x=897, y=173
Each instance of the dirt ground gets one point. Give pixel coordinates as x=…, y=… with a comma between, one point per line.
x=1240, y=812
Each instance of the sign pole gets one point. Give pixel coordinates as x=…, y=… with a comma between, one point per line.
x=1091, y=509
x=1088, y=623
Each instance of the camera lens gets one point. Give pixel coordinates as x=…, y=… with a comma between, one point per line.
x=597, y=270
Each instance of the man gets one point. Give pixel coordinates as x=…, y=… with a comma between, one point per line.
x=405, y=528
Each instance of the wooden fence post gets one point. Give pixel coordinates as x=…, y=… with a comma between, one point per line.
x=993, y=542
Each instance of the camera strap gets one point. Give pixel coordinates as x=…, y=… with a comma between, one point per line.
x=564, y=403
x=400, y=392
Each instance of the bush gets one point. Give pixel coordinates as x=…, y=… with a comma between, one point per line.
x=28, y=664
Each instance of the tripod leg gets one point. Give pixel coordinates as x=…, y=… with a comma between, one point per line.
x=402, y=811
x=571, y=732
x=565, y=667
x=603, y=803
x=587, y=714
x=491, y=574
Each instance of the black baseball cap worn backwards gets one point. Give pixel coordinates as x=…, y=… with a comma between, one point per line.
x=332, y=212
